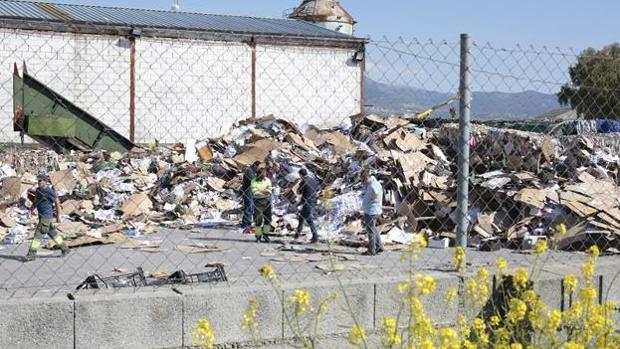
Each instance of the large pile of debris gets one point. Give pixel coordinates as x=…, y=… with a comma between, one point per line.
x=523, y=184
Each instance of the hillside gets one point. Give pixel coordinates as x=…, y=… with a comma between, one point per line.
x=383, y=98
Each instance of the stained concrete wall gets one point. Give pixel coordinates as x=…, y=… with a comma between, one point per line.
x=165, y=318
x=190, y=89
x=309, y=85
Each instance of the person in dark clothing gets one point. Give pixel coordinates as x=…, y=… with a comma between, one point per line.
x=261, y=191
x=248, y=201
x=45, y=202
x=308, y=189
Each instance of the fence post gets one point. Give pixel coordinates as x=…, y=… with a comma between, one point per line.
x=464, y=135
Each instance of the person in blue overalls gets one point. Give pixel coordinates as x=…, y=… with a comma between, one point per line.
x=248, y=200
x=45, y=201
x=308, y=189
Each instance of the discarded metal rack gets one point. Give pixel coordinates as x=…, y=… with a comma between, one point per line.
x=138, y=279
x=180, y=277
x=95, y=281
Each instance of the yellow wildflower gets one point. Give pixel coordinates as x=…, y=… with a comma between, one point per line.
x=572, y=345
x=501, y=264
x=483, y=293
x=267, y=272
x=357, y=335
x=463, y=325
x=415, y=305
x=425, y=344
x=425, y=284
x=422, y=328
x=451, y=294
x=554, y=320
x=570, y=283
x=249, y=316
x=403, y=287
x=448, y=339
x=517, y=310
x=476, y=292
x=420, y=240
x=458, y=261
x=520, y=278
x=561, y=229
x=471, y=290
x=587, y=271
x=466, y=344
x=573, y=314
x=587, y=294
x=326, y=195
x=203, y=335
x=301, y=301
x=494, y=320
x=594, y=251
x=389, y=330
x=482, y=274
x=530, y=297
x=516, y=346
x=610, y=306
x=541, y=246
x=502, y=335
x=478, y=325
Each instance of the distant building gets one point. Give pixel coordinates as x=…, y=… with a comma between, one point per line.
x=327, y=14
x=193, y=74
x=558, y=115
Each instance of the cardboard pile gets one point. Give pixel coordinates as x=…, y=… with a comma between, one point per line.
x=522, y=184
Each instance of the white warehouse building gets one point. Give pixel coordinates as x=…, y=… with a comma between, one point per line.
x=172, y=76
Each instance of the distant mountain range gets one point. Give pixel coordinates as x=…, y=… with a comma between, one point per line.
x=383, y=98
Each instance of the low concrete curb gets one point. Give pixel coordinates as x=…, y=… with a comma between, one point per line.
x=164, y=318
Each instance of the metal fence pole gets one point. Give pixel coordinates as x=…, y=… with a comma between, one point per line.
x=463, y=175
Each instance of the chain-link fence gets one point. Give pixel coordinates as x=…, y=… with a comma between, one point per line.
x=149, y=143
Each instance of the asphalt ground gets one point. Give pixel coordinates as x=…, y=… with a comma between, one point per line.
x=241, y=255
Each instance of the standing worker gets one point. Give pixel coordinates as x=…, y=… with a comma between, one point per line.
x=308, y=189
x=45, y=200
x=248, y=201
x=273, y=169
x=261, y=190
x=372, y=205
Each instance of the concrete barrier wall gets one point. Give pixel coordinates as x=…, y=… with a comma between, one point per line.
x=164, y=318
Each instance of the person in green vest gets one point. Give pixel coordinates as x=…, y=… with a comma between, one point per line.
x=261, y=191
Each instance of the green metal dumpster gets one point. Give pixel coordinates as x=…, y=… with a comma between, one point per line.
x=53, y=120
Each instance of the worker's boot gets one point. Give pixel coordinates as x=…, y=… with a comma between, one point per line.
x=30, y=256
x=65, y=250
x=258, y=233
x=266, y=229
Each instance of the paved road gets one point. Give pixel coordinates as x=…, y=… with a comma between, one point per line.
x=240, y=254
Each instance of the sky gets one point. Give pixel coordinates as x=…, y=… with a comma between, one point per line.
x=504, y=23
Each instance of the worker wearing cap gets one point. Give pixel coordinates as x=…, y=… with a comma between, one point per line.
x=308, y=190
x=372, y=205
x=45, y=201
x=261, y=191
x=248, y=201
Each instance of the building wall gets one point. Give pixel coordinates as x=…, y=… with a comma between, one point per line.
x=319, y=86
x=190, y=89
x=185, y=89
x=90, y=70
